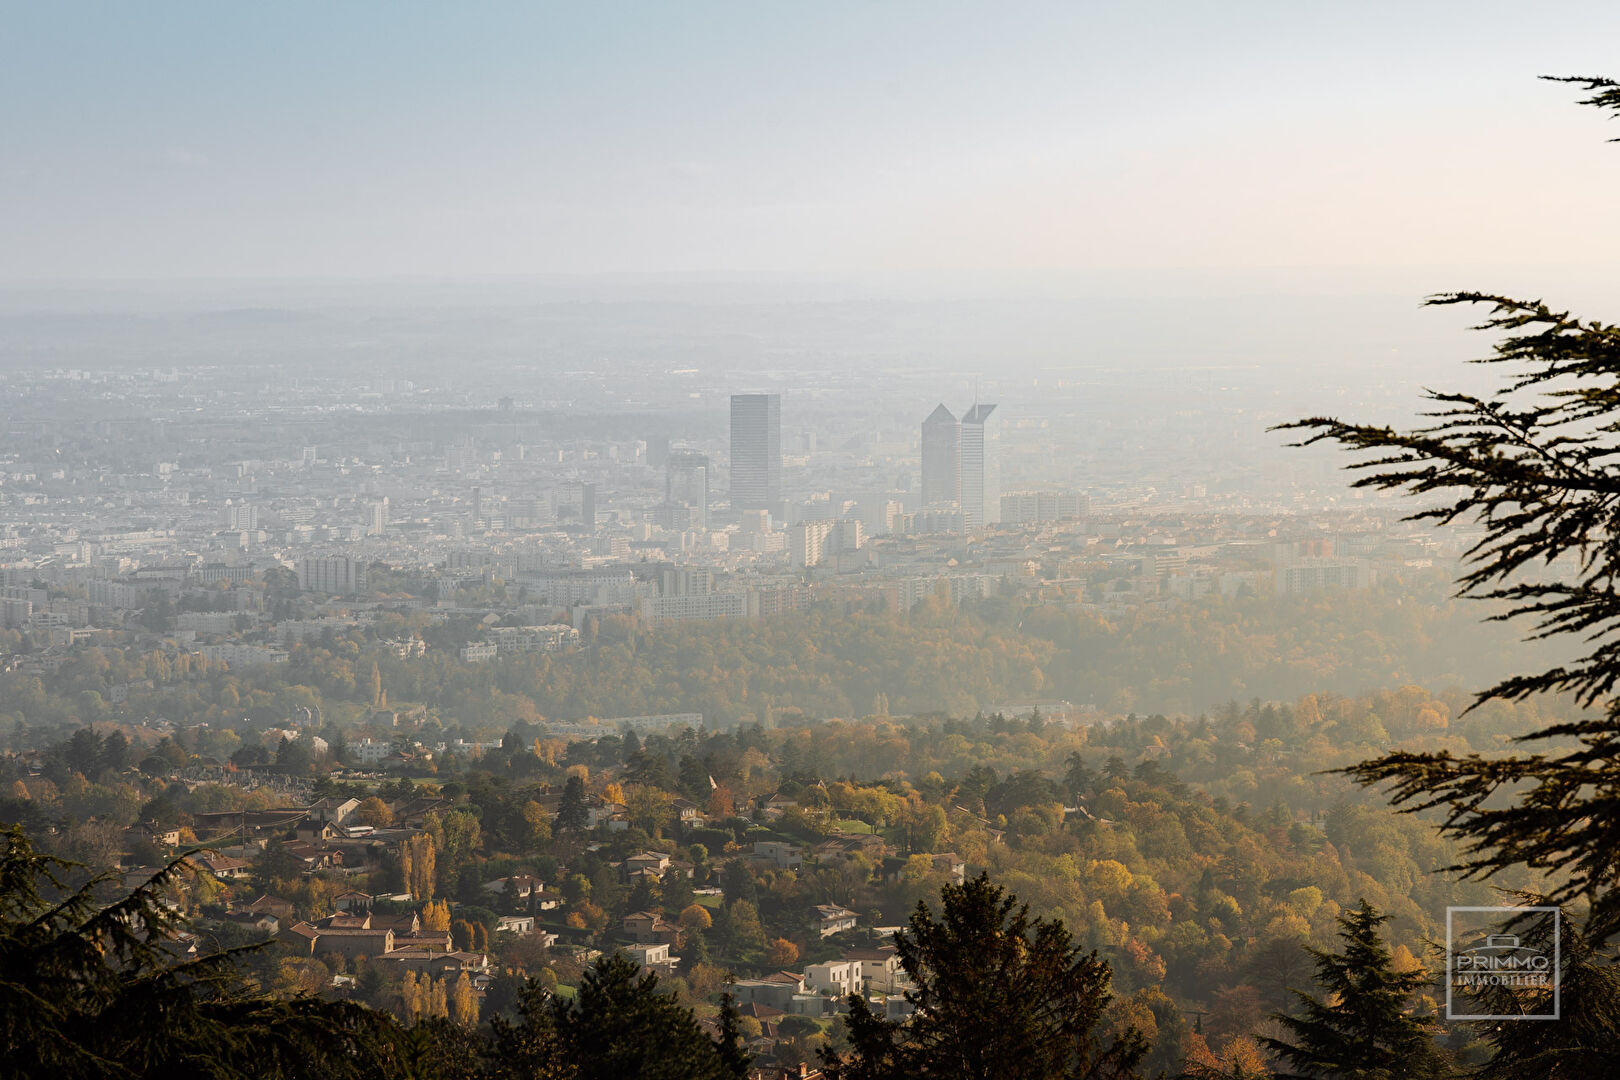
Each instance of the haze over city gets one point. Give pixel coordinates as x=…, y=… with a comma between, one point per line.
x=722, y=541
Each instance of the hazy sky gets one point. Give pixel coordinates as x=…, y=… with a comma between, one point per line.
x=160, y=140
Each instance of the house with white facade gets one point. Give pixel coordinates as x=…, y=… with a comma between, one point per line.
x=836, y=978
x=831, y=919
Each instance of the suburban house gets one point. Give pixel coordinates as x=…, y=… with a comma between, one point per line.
x=656, y=861
x=150, y=832
x=518, y=887
x=415, y=810
x=514, y=924
x=262, y=921
x=881, y=972
x=896, y=1007
x=773, y=806
x=948, y=864
x=333, y=809
x=832, y=919
x=837, y=978
x=275, y=905
x=223, y=867
x=353, y=900
x=317, y=832
x=654, y=958
x=439, y=963
x=313, y=857
x=599, y=812
x=647, y=926
x=776, y=991
x=845, y=845
x=778, y=853
x=688, y=813
x=952, y=865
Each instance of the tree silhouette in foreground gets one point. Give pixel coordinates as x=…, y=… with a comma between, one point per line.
x=998, y=996
x=1538, y=464
x=1585, y=1040
x=620, y=1026
x=1363, y=1027
x=92, y=990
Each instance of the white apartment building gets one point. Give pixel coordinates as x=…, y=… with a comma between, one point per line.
x=690, y=608
x=336, y=574
x=511, y=640
x=243, y=655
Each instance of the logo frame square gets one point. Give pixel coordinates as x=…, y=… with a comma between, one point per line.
x=1557, y=959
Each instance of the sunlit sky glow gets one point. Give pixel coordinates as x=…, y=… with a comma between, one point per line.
x=174, y=140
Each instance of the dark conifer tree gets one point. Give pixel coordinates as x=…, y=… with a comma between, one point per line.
x=998, y=996
x=92, y=989
x=1585, y=1040
x=735, y=1060
x=571, y=812
x=528, y=1049
x=620, y=1025
x=1363, y=1027
x=1535, y=463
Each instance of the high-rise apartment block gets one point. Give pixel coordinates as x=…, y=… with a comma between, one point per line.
x=756, y=451
x=336, y=574
x=241, y=517
x=811, y=543
x=686, y=483
x=1035, y=507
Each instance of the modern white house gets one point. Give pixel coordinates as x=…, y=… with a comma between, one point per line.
x=654, y=958
x=837, y=978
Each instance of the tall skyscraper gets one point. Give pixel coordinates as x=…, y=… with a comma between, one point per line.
x=981, y=476
x=756, y=451
x=686, y=483
x=941, y=459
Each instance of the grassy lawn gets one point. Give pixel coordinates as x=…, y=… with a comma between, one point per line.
x=850, y=825
x=709, y=901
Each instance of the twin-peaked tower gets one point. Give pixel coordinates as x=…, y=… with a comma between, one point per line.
x=960, y=466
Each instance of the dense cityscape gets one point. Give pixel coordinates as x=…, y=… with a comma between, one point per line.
x=808, y=542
